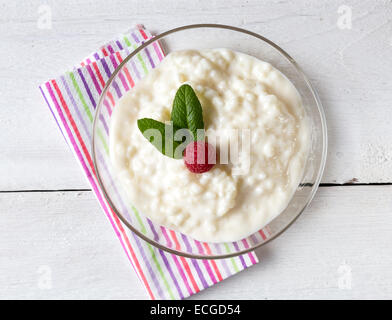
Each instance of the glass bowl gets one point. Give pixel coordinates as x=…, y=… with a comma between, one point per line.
x=206, y=36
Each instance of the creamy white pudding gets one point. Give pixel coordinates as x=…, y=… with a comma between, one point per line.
x=236, y=91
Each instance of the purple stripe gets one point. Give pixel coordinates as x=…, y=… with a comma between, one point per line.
x=119, y=45
x=183, y=276
x=105, y=67
x=223, y=261
x=47, y=102
x=195, y=263
x=124, y=81
x=110, y=48
x=168, y=267
x=148, y=265
x=108, y=74
x=254, y=239
x=168, y=240
x=166, y=262
x=115, y=65
x=104, y=124
x=178, y=265
x=241, y=257
x=87, y=88
x=250, y=254
x=156, y=237
x=96, y=56
x=135, y=69
x=123, y=207
x=133, y=64
x=186, y=242
x=69, y=134
x=134, y=36
x=92, y=76
x=117, y=88
x=113, y=60
x=199, y=273
x=149, y=58
x=206, y=263
x=77, y=111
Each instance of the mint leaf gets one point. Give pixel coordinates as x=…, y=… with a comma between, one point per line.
x=161, y=136
x=187, y=111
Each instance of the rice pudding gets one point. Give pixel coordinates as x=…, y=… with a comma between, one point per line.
x=237, y=93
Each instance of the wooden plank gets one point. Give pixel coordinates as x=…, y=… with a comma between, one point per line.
x=342, y=241
x=350, y=69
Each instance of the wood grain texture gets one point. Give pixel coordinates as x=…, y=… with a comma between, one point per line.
x=65, y=231
x=350, y=69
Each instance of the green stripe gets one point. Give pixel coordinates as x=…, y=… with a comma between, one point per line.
x=141, y=61
x=79, y=92
x=127, y=41
x=129, y=44
x=101, y=137
x=154, y=257
x=139, y=219
x=232, y=259
x=88, y=112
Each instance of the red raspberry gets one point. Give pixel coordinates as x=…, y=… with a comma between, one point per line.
x=199, y=156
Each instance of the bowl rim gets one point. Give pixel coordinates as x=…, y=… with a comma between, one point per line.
x=323, y=130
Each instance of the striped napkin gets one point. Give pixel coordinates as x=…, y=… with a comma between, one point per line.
x=72, y=99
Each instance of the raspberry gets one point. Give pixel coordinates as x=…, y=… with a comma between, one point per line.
x=199, y=156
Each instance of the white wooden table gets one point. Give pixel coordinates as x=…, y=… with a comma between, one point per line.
x=55, y=242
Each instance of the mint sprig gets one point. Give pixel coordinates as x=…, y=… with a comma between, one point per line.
x=155, y=132
x=187, y=111
x=187, y=114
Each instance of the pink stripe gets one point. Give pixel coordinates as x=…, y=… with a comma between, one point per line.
x=180, y=270
x=92, y=76
x=106, y=104
x=157, y=51
x=206, y=263
x=250, y=254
